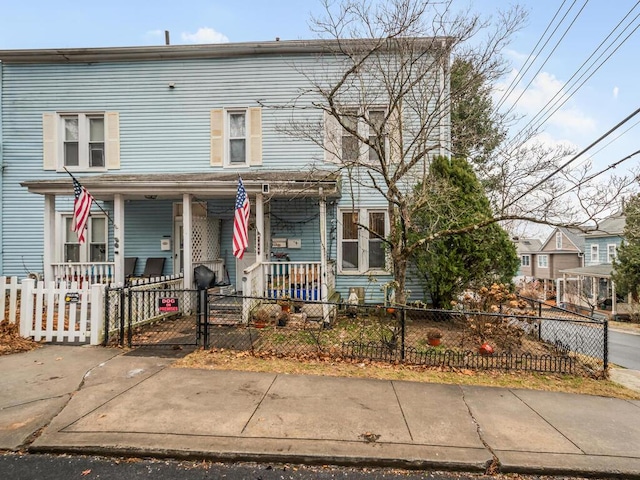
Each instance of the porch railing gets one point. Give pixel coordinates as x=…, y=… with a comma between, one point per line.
x=85, y=273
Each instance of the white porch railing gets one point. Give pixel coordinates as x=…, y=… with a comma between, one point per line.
x=84, y=273
x=296, y=280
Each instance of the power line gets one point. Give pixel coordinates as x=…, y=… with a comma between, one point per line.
x=559, y=169
x=572, y=89
x=532, y=55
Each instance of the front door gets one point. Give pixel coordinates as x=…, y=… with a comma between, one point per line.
x=248, y=259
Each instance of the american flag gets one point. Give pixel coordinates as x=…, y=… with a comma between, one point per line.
x=241, y=222
x=81, y=209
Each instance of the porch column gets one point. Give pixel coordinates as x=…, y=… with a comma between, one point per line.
x=594, y=291
x=564, y=290
x=118, y=238
x=260, y=256
x=324, y=296
x=49, y=236
x=187, y=222
x=614, y=310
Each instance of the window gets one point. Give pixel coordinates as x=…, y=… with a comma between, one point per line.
x=370, y=125
x=362, y=247
x=236, y=137
x=525, y=260
x=595, y=254
x=81, y=141
x=543, y=261
x=558, y=240
x=94, y=249
x=612, y=250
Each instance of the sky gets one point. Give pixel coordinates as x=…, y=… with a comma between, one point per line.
x=606, y=98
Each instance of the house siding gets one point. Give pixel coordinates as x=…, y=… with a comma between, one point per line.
x=602, y=243
x=166, y=129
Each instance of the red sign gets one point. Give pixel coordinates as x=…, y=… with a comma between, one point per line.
x=167, y=304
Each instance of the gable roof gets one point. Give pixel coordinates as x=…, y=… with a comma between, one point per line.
x=574, y=235
x=609, y=227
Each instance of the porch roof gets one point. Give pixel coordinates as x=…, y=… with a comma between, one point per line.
x=283, y=183
x=598, y=271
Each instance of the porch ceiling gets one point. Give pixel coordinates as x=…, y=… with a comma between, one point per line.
x=283, y=183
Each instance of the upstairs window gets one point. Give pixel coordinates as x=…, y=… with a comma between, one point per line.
x=81, y=141
x=612, y=250
x=595, y=254
x=341, y=143
x=558, y=240
x=237, y=138
x=377, y=140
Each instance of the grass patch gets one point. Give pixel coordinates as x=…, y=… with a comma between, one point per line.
x=314, y=365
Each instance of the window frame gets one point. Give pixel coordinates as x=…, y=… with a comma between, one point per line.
x=69, y=237
x=544, y=264
x=594, y=253
x=84, y=141
x=526, y=263
x=610, y=256
x=558, y=240
x=228, y=138
x=363, y=241
x=363, y=127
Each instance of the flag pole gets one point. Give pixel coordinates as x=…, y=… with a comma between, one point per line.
x=93, y=202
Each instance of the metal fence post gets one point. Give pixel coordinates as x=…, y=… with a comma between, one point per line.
x=121, y=309
x=605, y=356
x=130, y=314
x=403, y=319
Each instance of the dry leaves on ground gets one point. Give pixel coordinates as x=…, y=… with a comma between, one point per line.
x=11, y=341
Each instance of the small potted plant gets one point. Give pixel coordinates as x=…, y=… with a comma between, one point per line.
x=434, y=337
x=261, y=318
x=285, y=303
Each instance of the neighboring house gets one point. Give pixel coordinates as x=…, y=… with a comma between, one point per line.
x=159, y=136
x=590, y=286
x=527, y=249
x=563, y=249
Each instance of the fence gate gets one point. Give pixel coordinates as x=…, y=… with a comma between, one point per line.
x=153, y=316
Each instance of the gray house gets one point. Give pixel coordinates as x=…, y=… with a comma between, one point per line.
x=160, y=136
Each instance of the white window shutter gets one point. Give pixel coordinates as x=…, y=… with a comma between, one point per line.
x=217, y=137
x=394, y=135
x=255, y=132
x=332, y=139
x=49, y=141
x=112, y=139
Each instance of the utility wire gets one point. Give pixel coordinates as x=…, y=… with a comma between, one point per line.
x=572, y=89
x=525, y=67
x=571, y=160
x=547, y=59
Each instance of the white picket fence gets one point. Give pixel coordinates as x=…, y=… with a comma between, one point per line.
x=54, y=314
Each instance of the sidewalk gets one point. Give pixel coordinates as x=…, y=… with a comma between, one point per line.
x=135, y=405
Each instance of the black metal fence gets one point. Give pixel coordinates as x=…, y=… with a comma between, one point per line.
x=458, y=339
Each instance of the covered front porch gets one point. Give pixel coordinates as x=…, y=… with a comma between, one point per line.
x=593, y=290
x=185, y=220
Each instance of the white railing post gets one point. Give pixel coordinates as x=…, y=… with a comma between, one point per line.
x=97, y=314
x=26, y=307
x=246, y=301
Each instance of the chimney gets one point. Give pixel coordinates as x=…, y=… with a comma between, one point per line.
x=166, y=38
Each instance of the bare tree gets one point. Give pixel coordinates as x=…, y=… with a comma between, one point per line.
x=382, y=85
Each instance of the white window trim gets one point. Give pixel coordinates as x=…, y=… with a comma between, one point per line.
x=363, y=241
x=83, y=141
x=522, y=260
x=364, y=130
x=84, y=248
x=546, y=258
x=594, y=249
x=558, y=240
x=615, y=252
x=227, y=137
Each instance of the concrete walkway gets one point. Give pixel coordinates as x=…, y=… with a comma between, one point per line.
x=138, y=405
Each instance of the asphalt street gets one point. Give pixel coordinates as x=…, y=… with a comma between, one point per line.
x=624, y=349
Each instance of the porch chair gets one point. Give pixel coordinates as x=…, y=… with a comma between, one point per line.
x=153, y=267
x=130, y=267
